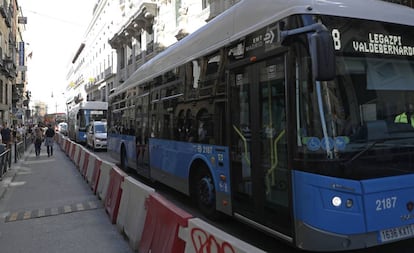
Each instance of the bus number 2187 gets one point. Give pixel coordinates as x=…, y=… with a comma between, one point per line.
x=385, y=203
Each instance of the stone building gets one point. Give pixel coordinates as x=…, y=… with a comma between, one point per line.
x=12, y=71
x=156, y=25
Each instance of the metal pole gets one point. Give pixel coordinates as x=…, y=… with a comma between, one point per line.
x=15, y=151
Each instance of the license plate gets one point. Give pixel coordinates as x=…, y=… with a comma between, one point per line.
x=399, y=233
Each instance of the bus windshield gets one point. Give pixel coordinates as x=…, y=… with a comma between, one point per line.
x=361, y=124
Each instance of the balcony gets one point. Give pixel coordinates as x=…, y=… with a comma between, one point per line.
x=3, y=9
x=108, y=72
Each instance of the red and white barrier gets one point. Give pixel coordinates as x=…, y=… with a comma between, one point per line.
x=73, y=147
x=67, y=146
x=76, y=157
x=104, y=179
x=200, y=236
x=85, y=164
x=162, y=224
x=91, y=166
x=95, y=175
x=82, y=159
x=132, y=211
x=113, y=196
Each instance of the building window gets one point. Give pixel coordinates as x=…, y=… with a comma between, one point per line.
x=129, y=53
x=136, y=44
x=150, y=42
x=1, y=92
x=122, y=57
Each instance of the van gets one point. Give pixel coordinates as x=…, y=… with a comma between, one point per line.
x=96, y=135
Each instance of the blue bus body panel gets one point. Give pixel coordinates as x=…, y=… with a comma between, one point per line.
x=81, y=136
x=171, y=156
x=115, y=141
x=312, y=198
x=389, y=202
x=376, y=203
x=175, y=158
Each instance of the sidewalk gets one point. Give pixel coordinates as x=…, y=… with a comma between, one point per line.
x=46, y=206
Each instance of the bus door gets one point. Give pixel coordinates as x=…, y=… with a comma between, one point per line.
x=258, y=145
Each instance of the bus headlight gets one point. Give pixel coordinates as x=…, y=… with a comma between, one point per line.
x=336, y=201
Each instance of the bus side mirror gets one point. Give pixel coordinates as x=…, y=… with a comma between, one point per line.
x=323, y=57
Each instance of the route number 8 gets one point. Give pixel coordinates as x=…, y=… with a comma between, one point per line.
x=336, y=35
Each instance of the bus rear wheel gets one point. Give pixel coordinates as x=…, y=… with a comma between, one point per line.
x=205, y=193
x=124, y=164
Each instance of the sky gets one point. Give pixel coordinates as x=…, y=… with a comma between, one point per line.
x=54, y=31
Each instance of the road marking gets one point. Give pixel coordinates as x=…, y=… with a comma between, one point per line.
x=54, y=211
x=13, y=217
x=80, y=207
x=40, y=213
x=67, y=209
x=27, y=215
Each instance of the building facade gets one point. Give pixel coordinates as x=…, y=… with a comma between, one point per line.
x=12, y=70
x=92, y=72
x=122, y=35
x=156, y=25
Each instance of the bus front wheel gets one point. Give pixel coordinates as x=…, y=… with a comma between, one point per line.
x=205, y=193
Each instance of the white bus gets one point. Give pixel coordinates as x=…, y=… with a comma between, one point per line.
x=283, y=114
x=81, y=115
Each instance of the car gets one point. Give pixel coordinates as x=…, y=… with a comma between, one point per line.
x=96, y=134
x=63, y=128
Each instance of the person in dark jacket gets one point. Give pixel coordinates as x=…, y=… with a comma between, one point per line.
x=6, y=135
x=50, y=133
x=38, y=139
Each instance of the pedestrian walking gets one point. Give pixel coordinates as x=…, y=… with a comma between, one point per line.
x=6, y=135
x=50, y=133
x=38, y=138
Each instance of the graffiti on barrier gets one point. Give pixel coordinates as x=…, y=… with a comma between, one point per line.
x=206, y=243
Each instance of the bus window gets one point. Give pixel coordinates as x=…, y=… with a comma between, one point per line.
x=205, y=126
x=190, y=130
x=180, y=128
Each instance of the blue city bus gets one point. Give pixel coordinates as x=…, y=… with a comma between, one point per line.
x=287, y=115
x=81, y=115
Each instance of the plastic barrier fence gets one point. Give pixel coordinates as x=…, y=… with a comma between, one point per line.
x=95, y=175
x=104, y=179
x=202, y=237
x=162, y=224
x=132, y=211
x=91, y=167
x=85, y=164
x=150, y=222
x=113, y=196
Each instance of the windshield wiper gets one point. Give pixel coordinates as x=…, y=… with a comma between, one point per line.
x=346, y=164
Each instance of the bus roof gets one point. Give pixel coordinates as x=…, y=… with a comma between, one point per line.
x=248, y=16
x=94, y=105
